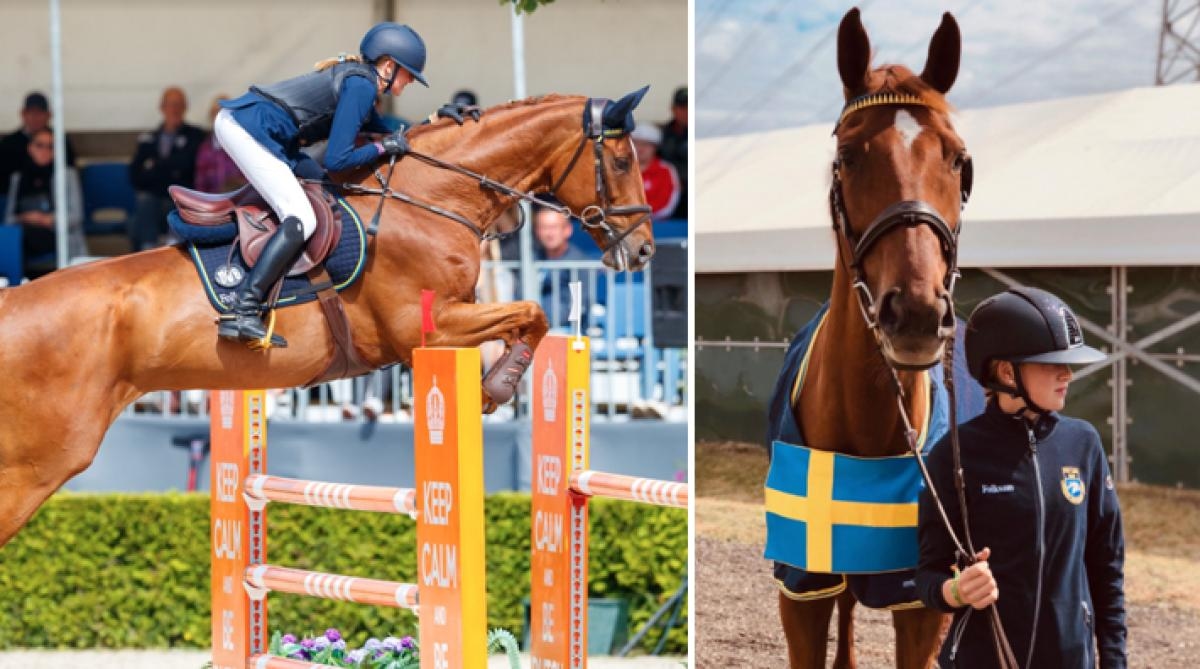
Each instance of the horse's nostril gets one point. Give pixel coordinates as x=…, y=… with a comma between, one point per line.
x=889, y=310
x=646, y=250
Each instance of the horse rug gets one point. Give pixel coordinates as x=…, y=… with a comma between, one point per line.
x=836, y=521
x=219, y=262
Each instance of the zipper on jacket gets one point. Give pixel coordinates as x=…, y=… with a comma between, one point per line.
x=1041, y=548
x=958, y=633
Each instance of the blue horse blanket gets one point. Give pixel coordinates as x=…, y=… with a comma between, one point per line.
x=836, y=520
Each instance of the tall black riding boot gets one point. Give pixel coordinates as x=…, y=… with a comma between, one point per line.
x=245, y=321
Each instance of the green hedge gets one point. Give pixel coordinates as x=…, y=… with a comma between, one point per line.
x=132, y=571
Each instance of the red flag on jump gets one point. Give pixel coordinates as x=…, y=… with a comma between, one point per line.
x=426, y=314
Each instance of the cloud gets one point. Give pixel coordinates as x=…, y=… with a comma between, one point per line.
x=763, y=64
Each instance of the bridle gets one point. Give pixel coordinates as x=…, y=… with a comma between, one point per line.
x=592, y=216
x=904, y=214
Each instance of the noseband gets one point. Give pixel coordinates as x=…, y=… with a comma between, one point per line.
x=906, y=214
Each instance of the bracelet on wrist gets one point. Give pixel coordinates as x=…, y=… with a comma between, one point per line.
x=954, y=590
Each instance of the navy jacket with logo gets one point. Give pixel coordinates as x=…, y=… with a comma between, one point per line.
x=1041, y=497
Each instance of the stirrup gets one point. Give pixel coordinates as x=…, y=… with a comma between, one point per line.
x=267, y=341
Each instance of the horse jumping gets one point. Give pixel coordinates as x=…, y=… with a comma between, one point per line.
x=447, y=504
x=562, y=484
x=84, y=342
x=900, y=179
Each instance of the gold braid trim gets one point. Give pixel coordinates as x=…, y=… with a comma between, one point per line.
x=880, y=99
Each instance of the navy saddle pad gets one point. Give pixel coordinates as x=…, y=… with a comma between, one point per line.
x=222, y=272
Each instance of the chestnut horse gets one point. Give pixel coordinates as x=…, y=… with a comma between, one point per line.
x=899, y=180
x=82, y=343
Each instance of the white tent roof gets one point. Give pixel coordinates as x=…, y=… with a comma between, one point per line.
x=1100, y=180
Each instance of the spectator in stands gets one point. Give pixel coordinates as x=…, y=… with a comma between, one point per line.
x=659, y=177
x=164, y=157
x=215, y=170
x=35, y=116
x=553, y=231
x=674, y=147
x=31, y=204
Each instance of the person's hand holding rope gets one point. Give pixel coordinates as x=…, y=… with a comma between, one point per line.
x=457, y=111
x=974, y=586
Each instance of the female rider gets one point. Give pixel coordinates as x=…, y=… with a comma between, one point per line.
x=1040, y=502
x=264, y=129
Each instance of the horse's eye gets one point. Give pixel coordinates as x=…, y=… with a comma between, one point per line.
x=959, y=161
x=845, y=157
x=621, y=164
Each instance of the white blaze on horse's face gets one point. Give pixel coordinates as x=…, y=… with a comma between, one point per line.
x=908, y=128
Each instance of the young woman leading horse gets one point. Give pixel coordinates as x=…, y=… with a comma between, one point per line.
x=82, y=343
x=842, y=491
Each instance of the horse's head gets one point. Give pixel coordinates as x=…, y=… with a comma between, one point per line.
x=601, y=182
x=900, y=180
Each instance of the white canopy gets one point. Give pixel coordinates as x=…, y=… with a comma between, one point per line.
x=1100, y=180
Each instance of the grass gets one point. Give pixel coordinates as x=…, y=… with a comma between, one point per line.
x=1162, y=525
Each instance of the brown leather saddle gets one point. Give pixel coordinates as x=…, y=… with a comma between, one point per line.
x=256, y=222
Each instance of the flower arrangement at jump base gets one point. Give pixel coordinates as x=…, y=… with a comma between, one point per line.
x=390, y=653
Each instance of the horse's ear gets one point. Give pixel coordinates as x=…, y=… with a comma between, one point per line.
x=945, y=49
x=618, y=115
x=854, y=53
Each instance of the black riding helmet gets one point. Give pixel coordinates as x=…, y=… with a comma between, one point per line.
x=1019, y=325
x=398, y=42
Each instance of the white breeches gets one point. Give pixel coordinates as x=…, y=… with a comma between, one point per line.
x=269, y=175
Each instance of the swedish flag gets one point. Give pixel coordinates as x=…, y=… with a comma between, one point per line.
x=840, y=514
x=834, y=513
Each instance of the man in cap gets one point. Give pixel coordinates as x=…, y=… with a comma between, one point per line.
x=35, y=116
x=165, y=156
x=674, y=147
x=659, y=177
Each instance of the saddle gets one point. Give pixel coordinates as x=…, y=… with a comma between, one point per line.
x=256, y=222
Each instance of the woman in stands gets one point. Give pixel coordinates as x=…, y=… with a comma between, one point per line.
x=264, y=129
x=31, y=204
x=1041, y=504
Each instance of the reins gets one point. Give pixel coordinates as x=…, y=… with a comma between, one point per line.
x=592, y=216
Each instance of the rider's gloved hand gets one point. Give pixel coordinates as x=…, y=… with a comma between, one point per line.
x=457, y=111
x=395, y=144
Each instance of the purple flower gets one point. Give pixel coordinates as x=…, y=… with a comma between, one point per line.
x=356, y=657
x=373, y=644
x=406, y=643
x=288, y=638
x=332, y=634
x=320, y=643
x=392, y=643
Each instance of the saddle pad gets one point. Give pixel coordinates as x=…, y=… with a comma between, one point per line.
x=345, y=264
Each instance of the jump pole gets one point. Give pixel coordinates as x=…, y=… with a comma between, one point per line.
x=447, y=502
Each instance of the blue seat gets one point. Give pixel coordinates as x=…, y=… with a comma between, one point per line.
x=106, y=188
x=11, y=262
x=671, y=228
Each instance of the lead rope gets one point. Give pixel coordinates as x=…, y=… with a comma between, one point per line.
x=1004, y=652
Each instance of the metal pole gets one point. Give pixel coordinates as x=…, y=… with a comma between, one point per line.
x=60, y=140
x=529, y=287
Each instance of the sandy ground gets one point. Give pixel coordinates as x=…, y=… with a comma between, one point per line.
x=736, y=609
x=192, y=659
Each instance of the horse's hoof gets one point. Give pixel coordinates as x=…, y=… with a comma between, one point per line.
x=501, y=381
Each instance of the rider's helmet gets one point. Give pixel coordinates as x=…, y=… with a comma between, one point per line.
x=1019, y=325
x=398, y=42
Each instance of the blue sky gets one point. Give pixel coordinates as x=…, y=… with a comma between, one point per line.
x=763, y=64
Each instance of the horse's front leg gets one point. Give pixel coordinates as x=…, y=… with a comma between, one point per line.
x=520, y=324
x=919, y=634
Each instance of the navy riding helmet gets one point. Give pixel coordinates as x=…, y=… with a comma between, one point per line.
x=398, y=42
x=1024, y=324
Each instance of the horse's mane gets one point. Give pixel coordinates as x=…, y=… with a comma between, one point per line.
x=900, y=79
x=440, y=124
